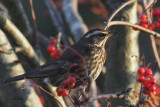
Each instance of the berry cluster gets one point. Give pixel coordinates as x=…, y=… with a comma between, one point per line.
x=54, y=52
x=148, y=82
x=70, y=82
x=62, y=92
x=144, y=21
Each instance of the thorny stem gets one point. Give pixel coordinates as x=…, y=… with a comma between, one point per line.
x=113, y=15
x=34, y=22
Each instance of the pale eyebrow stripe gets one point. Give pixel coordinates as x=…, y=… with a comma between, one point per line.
x=95, y=32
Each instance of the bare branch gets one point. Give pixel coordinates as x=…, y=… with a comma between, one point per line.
x=115, y=23
x=34, y=22
x=10, y=51
x=17, y=13
x=57, y=20
x=153, y=42
x=74, y=20
x=28, y=97
x=113, y=15
x=20, y=39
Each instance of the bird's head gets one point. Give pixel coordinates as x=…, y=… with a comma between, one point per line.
x=96, y=37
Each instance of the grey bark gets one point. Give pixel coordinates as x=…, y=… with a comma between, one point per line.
x=73, y=19
x=18, y=16
x=11, y=95
x=123, y=54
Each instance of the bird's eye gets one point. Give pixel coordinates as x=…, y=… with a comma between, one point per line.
x=102, y=34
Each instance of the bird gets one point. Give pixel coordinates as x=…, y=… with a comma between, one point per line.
x=85, y=58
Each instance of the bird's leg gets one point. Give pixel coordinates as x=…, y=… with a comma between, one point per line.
x=89, y=84
x=84, y=92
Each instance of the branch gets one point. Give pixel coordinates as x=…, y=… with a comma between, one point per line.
x=121, y=95
x=115, y=23
x=10, y=51
x=20, y=39
x=57, y=20
x=74, y=20
x=114, y=14
x=27, y=97
x=34, y=23
x=153, y=42
x=17, y=13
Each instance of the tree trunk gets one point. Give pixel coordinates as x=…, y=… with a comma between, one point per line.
x=123, y=54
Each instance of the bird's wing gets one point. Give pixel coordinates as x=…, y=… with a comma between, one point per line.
x=52, y=67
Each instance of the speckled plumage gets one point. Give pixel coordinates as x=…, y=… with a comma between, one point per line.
x=91, y=47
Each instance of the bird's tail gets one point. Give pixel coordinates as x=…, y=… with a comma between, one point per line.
x=20, y=77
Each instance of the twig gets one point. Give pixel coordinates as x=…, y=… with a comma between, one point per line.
x=10, y=51
x=37, y=86
x=57, y=20
x=59, y=40
x=153, y=42
x=116, y=23
x=34, y=22
x=113, y=15
x=151, y=3
x=120, y=95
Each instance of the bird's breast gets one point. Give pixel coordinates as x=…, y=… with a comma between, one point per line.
x=95, y=62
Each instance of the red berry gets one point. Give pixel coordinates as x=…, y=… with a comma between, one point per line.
x=152, y=87
x=152, y=26
x=51, y=49
x=152, y=80
x=159, y=19
x=65, y=92
x=137, y=24
x=146, y=91
x=141, y=71
x=144, y=21
x=155, y=12
x=148, y=73
x=56, y=54
x=145, y=26
x=65, y=82
x=41, y=99
x=154, y=92
x=143, y=16
x=71, y=82
x=53, y=55
x=158, y=12
x=140, y=78
x=157, y=25
x=146, y=83
x=59, y=52
x=53, y=42
x=59, y=91
x=62, y=92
